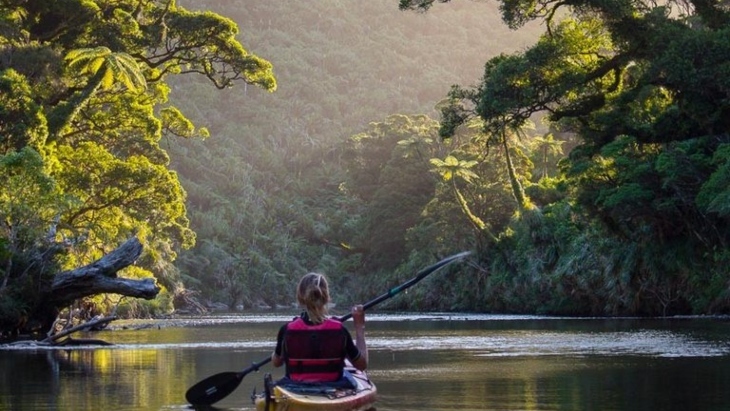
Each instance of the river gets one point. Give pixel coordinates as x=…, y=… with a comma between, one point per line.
x=419, y=362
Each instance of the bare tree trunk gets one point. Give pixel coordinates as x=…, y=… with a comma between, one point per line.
x=517, y=190
x=100, y=277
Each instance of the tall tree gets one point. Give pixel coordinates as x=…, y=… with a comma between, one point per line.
x=546, y=148
x=451, y=169
x=106, y=69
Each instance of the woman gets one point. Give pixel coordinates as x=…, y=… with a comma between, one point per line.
x=314, y=347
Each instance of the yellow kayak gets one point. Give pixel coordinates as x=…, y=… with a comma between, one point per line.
x=319, y=397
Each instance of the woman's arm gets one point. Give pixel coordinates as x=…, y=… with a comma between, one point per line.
x=277, y=359
x=358, y=317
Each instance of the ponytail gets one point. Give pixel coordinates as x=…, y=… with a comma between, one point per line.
x=313, y=294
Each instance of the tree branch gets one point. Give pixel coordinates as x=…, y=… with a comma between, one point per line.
x=101, y=277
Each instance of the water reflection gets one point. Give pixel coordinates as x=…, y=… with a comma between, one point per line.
x=530, y=343
x=419, y=362
x=490, y=336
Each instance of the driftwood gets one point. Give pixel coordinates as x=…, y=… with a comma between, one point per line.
x=59, y=340
x=100, y=277
x=70, y=342
x=51, y=339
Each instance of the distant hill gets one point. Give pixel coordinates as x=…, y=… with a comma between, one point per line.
x=342, y=64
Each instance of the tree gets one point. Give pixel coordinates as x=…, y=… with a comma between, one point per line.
x=106, y=69
x=88, y=93
x=451, y=168
x=101, y=277
x=28, y=201
x=546, y=148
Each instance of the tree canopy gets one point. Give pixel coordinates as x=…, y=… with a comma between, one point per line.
x=644, y=86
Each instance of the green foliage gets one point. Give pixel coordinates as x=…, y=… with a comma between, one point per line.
x=387, y=174
x=21, y=121
x=546, y=152
x=81, y=128
x=323, y=176
x=451, y=167
x=29, y=200
x=630, y=96
x=139, y=308
x=714, y=196
x=645, y=91
x=547, y=191
x=110, y=67
x=653, y=197
x=207, y=45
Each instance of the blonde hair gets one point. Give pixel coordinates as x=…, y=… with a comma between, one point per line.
x=313, y=294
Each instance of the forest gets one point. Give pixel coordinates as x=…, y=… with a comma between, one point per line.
x=225, y=148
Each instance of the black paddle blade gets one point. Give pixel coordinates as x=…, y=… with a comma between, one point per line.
x=213, y=388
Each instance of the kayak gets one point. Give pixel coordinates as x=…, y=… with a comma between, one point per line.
x=318, y=397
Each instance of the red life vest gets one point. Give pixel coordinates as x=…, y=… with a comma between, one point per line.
x=314, y=353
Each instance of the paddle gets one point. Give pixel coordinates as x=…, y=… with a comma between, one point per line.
x=218, y=386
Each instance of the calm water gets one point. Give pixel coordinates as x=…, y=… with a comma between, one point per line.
x=419, y=362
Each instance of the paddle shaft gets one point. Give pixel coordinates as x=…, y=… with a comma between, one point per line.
x=216, y=387
x=408, y=284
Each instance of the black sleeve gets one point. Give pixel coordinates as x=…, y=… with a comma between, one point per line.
x=280, y=340
x=353, y=353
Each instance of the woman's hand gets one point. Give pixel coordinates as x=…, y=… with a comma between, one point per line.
x=358, y=315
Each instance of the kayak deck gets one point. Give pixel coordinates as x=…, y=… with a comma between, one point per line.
x=319, y=397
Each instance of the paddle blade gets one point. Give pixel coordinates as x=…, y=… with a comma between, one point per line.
x=213, y=388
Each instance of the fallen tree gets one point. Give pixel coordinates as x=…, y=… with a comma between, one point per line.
x=100, y=277
x=66, y=287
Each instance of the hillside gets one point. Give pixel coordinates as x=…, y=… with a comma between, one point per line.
x=264, y=172
x=341, y=65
